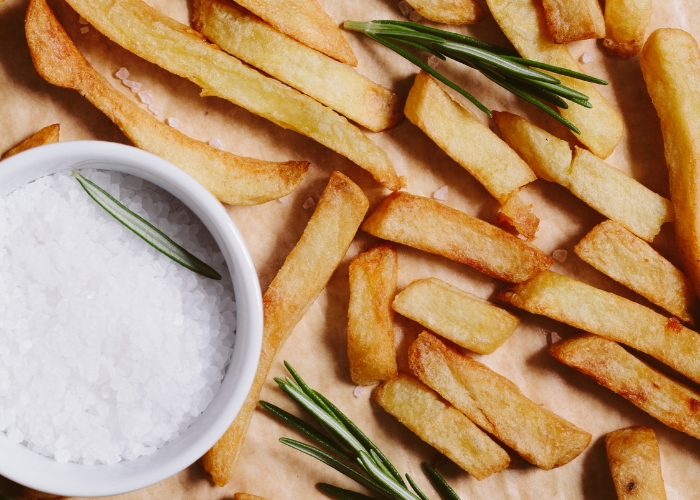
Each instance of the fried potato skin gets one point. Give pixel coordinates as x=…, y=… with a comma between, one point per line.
x=449, y=11
x=616, y=252
x=670, y=62
x=611, y=316
x=304, y=274
x=572, y=20
x=625, y=25
x=371, y=336
x=635, y=464
x=421, y=410
x=232, y=179
x=537, y=434
x=613, y=367
x=465, y=319
x=47, y=135
x=428, y=225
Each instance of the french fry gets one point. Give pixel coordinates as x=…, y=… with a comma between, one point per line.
x=524, y=23
x=177, y=48
x=371, y=336
x=449, y=11
x=616, y=252
x=603, y=187
x=303, y=276
x=635, y=463
x=625, y=24
x=232, y=179
x=538, y=435
x=420, y=409
x=428, y=225
x=517, y=214
x=670, y=62
x=610, y=316
x=330, y=82
x=47, y=135
x=572, y=20
x=465, y=319
x=613, y=367
x=246, y=496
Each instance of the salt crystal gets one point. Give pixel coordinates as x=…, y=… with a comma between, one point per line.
x=134, y=86
x=173, y=122
x=414, y=16
x=520, y=236
x=155, y=109
x=82, y=20
x=216, y=143
x=14, y=435
x=405, y=8
x=146, y=96
x=308, y=203
x=122, y=73
x=434, y=61
x=283, y=199
x=441, y=194
x=587, y=57
x=357, y=391
x=84, y=29
x=559, y=255
x=553, y=338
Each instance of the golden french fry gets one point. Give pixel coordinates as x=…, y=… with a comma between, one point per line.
x=611, y=316
x=572, y=20
x=246, y=496
x=465, y=319
x=371, y=336
x=538, y=435
x=303, y=276
x=177, y=48
x=635, y=463
x=449, y=11
x=670, y=62
x=625, y=24
x=613, y=367
x=420, y=409
x=47, y=135
x=524, y=23
x=330, y=82
x=616, y=252
x=517, y=214
x=429, y=225
x=232, y=179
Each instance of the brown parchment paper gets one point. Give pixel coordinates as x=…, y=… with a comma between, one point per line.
x=317, y=347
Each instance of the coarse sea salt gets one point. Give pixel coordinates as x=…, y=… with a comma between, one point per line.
x=108, y=349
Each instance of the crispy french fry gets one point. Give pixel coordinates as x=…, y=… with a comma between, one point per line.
x=371, y=336
x=603, y=187
x=524, y=23
x=429, y=225
x=517, y=214
x=303, y=276
x=572, y=20
x=635, y=464
x=670, y=62
x=420, y=409
x=232, y=179
x=465, y=319
x=177, y=48
x=613, y=250
x=625, y=24
x=330, y=82
x=538, y=435
x=246, y=496
x=610, y=316
x=613, y=367
x=47, y=135
x=449, y=11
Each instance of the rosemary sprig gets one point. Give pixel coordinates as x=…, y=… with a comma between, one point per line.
x=144, y=229
x=346, y=448
x=500, y=65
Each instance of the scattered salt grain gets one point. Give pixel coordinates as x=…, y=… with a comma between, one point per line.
x=434, y=61
x=216, y=143
x=522, y=237
x=587, y=57
x=441, y=194
x=308, y=203
x=122, y=73
x=84, y=29
x=553, y=338
x=414, y=16
x=155, y=109
x=283, y=199
x=405, y=8
x=173, y=122
x=134, y=86
x=357, y=391
x=559, y=255
x=82, y=20
x=146, y=96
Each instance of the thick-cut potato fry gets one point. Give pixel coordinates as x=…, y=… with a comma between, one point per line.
x=635, y=464
x=429, y=225
x=613, y=367
x=524, y=23
x=420, y=409
x=517, y=214
x=449, y=11
x=538, y=435
x=232, y=179
x=303, y=276
x=605, y=188
x=306, y=21
x=610, y=316
x=613, y=250
x=330, y=82
x=47, y=135
x=177, y=48
x=465, y=319
x=670, y=62
x=625, y=24
x=572, y=20
x=246, y=496
x=371, y=336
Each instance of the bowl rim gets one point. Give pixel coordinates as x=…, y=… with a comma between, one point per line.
x=33, y=470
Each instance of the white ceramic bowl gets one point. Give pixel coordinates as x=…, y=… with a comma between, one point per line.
x=26, y=467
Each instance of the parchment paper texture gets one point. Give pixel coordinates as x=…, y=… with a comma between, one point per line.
x=317, y=347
